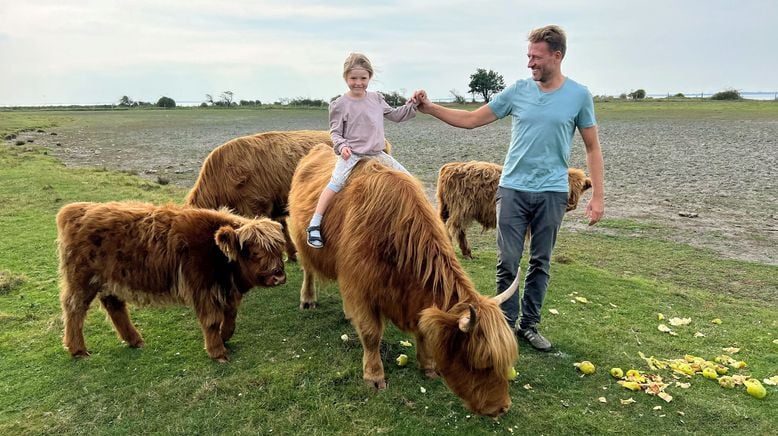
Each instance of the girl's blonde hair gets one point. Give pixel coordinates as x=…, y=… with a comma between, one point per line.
x=357, y=61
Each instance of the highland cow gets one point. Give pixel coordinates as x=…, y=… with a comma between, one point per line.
x=392, y=259
x=133, y=252
x=466, y=193
x=251, y=175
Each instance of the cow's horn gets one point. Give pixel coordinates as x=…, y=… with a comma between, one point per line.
x=467, y=323
x=506, y=294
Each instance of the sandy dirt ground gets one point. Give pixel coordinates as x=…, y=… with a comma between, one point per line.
x=722, y=175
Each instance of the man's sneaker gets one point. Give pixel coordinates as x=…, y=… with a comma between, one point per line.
x=534, y=338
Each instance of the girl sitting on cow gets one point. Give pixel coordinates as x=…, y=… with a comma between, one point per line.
x=357, y=130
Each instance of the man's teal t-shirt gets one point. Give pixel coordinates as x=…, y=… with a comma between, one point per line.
x=542, y=132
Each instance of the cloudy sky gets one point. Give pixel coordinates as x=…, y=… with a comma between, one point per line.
x=95, y=51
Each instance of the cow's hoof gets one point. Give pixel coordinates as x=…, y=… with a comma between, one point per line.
x=219, y=355
x=378, y=385
x=431, y=374
x=308, y=305
x=79, y=353
x=221, y=358
x=468, y=256
x=137, y=344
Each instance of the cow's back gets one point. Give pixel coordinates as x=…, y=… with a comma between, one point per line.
x=120, y=248
x=381, y=234
x=252, y=174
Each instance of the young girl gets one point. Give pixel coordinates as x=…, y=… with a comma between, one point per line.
x=357, y=129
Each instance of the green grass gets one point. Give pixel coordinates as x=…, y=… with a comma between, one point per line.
x=687, y=109
x=291, y=373
x=17, y=121
x=690, y=108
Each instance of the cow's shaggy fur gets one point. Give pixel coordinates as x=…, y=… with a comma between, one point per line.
x=251, y=175
x=145, y=254
x=466, y=193
x=392, y=258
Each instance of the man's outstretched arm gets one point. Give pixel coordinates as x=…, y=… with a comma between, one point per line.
x=455, y=117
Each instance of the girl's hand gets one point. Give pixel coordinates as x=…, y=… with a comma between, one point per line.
x=345, y=152
x=419, y=98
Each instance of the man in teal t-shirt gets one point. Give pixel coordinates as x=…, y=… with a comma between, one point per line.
x=532, y=194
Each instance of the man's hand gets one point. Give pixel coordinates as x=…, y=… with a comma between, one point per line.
x=420, y=99
x=595, y=209
x=345, y=152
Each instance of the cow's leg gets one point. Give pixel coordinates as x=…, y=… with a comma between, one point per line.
x=211, y=320
x=308, y=291
x=346, y=311
x=120, y=317
x=75, y=300
x=291, y=250
x=230, y=313
x=456, y=229
x=426, y=363
x=370, y=328
x=463, y=245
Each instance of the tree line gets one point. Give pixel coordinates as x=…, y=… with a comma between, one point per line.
x=483, y=83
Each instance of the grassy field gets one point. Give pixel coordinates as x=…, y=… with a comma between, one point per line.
x=291, y=373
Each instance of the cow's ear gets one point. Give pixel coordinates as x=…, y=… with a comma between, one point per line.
x=587, y=184
x=227, y=241
x=435, y=322
x=467, y=322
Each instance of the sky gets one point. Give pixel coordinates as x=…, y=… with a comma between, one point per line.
x=96, y=51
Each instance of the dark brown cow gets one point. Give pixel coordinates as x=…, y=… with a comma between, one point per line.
x=392, y=258
x=145, y=254
x=251, y=175
x=466, y=193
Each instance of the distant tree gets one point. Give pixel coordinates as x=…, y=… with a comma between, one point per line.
x=166, y=102
x=622, y=96
x=226, y=98
x=679, y=95
x=638, y=94
x=486, y=83
x=203, y=104
x=729, y=94
x=208, y=99
x=458, y=98
x=308, y=102
x=126, y=101
x=394, y=99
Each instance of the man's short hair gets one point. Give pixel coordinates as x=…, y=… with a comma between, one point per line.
x=553, y=35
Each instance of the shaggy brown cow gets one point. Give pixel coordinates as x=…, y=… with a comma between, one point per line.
x=251, y=175
x=392, y=258
x=466, y=193
x=145, y=254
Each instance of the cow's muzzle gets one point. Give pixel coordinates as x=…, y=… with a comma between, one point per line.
x=277, y=277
